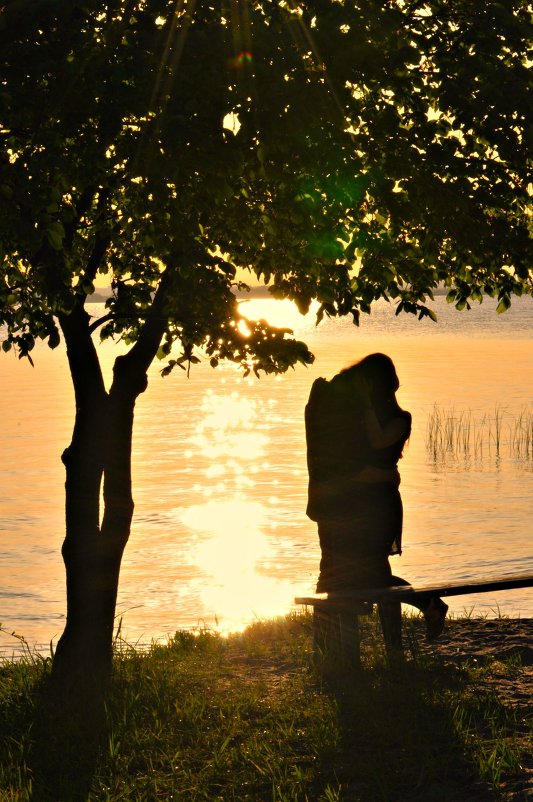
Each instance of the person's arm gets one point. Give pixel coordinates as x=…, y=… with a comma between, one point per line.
x=384, y=436
x=380, y=436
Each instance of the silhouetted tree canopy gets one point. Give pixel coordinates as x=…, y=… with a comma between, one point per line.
x=382, y=148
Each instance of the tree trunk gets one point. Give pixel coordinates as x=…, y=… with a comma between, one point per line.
x=100, y=451
x=92, y=553
x=72, y=714
x=92, y=550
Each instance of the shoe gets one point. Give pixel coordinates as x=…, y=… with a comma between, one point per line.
x=435, y=615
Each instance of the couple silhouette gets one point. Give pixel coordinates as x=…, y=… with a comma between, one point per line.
x=356, y=433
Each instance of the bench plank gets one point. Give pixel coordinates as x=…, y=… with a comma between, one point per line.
x=405, y=592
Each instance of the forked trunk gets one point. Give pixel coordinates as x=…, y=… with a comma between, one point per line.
x=92, y=552
x=100, y=451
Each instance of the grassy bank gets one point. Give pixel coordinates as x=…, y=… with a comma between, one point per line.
x=249, y=718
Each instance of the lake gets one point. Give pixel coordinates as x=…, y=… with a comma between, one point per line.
x=220, y=535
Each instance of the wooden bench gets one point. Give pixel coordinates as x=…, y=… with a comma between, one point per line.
x=336, y=626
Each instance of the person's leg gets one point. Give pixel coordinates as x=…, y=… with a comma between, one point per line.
x=326, y=576
x=325, y=633
x=390, y=616
x=336, y=634
x=435, y=616
x=433, y=609
x=376, y=572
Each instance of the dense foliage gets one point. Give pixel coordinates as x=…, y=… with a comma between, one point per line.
x=371, y=149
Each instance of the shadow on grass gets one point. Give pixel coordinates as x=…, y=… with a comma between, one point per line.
x=398, y=740
x=66, y=744
x=250, y=719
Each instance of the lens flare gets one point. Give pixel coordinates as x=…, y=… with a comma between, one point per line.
x=241, y=60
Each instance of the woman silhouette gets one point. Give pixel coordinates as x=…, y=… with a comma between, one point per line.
x=356, y=432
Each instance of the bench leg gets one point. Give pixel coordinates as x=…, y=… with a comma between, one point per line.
x=350, y=639
x=336, y=638
x=390, y=615
x=325, y=633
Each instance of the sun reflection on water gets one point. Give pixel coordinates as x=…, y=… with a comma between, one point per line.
x=232, y=549
x=229, y=541
x=229, y=427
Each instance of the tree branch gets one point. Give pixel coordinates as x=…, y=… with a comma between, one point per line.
x=81, y=207
x=100, y=322
x=83, y=359
x=95, y=259
x=133, y=366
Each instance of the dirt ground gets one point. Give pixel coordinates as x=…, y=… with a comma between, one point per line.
x=492, y=639
x=497, y=640
x=484, y=638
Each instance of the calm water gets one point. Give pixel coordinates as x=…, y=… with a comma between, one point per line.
x=220, y=534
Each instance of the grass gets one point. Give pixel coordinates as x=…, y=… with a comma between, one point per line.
x=452, y=434
x=248, y=718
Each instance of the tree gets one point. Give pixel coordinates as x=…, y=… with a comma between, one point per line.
x=343, y=152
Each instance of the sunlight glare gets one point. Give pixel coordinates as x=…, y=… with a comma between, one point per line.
x=283, y=313
x=232, y=549
x=228, y=428
x=231, y=122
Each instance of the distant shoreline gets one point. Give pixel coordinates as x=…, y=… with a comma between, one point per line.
x=256, y=291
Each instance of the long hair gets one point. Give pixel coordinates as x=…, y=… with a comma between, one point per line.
x=379, y=371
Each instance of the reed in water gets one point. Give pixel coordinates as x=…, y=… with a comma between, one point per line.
x=453, y=434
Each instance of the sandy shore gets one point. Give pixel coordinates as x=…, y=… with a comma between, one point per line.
x=486, y=639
